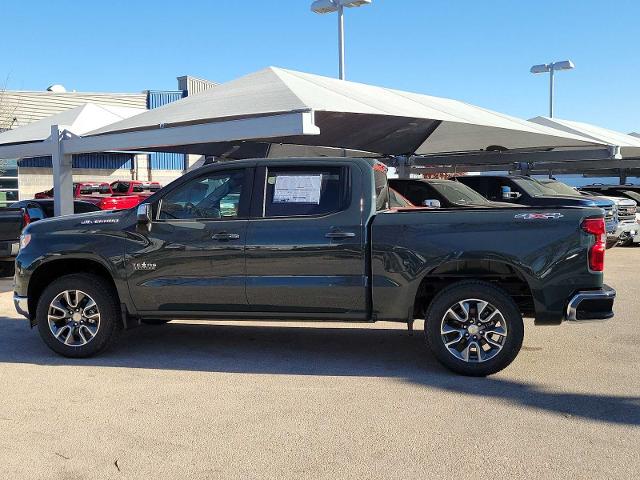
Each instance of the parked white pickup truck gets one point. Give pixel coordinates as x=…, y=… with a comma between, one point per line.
x=628, y=228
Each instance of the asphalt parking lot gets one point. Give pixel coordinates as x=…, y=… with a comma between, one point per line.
x=247, y=400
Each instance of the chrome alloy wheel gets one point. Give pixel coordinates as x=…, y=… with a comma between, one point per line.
x=74, y=318
x=473, y=330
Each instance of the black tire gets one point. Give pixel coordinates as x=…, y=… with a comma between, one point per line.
x=154, y=321
x=611, y=244
x=7, y=269
x=449, y=297
x=106, y=299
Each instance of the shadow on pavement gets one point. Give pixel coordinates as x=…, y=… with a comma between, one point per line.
x=286, y=350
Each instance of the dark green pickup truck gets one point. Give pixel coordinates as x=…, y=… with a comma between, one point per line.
x=313, y=239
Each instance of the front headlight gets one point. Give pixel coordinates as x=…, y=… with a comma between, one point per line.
x=25, y=238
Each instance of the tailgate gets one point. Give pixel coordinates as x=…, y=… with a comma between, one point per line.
x=11, y=223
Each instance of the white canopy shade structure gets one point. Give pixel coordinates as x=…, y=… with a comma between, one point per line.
x=41, y=138
x=629, y=144
x=78, y=120
x=346, y=115
x=626, y=162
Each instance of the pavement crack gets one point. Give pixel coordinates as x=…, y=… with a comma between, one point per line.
x=62, y=456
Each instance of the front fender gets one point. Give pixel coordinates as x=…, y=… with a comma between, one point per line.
x=72, y=252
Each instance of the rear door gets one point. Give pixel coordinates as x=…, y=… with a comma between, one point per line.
x=305, y=245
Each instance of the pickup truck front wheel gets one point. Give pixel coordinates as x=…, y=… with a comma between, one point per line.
x=77, y=315
x=474, y=328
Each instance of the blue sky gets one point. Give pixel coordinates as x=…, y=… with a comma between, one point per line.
x=475, y=51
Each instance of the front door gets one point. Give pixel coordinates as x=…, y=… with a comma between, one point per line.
x=305, y=245
x=192, y=259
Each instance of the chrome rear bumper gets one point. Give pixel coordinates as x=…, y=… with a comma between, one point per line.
x=591, y=305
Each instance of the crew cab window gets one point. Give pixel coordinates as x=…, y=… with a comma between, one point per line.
x=138, y=189
x=212, y=197
x=479, y=184
x=304, y=191
x=120, y=187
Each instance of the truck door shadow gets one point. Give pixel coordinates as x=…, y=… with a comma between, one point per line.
x=330, y=351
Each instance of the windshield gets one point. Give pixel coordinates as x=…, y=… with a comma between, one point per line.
x=120, y=187
x=458, y=193
x=559, y=188
x=535, y=188
x=632, y=195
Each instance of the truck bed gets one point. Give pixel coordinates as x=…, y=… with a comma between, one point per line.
x=538, y=246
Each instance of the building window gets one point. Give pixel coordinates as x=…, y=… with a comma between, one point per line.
x=8, y=182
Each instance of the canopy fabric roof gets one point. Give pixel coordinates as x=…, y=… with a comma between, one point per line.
x=349, y=115
x=629, y=144
x=78, y=120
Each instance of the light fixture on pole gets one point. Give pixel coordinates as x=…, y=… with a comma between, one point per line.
x=330, y=6
x=551, y=68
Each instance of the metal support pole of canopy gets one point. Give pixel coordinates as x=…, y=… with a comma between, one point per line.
x=403, y=166
x=62, y=175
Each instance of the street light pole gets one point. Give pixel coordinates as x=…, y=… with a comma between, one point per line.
x=551, y=91
x=551, y=69
x=341, y=39
x=330, y=6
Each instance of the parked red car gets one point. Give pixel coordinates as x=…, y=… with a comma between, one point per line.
x=117, y=195
x=134, y=187
x=81, y=188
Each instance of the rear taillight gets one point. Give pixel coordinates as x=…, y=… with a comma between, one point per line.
x=596, y=227
x=26, y=219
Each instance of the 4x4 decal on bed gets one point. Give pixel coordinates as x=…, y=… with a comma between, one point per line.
x=539, y=216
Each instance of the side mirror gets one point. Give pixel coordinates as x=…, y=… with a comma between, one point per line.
x=507, y=194
x=431, y=203
x=144, y=214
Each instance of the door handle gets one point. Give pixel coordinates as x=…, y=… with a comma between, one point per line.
x=340, y=235
x=225, y=237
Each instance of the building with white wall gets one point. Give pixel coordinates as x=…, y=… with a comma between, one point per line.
x=22, y=179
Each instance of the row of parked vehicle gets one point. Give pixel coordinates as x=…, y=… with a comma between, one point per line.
x=619, y=202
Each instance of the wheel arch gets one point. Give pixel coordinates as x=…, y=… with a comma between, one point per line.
x=498, y=272
x=50, y=270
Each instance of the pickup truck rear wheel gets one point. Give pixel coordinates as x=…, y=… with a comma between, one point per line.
x=78, y=315
x=474, y=328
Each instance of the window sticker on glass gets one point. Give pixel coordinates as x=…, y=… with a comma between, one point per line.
x=297, y=189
